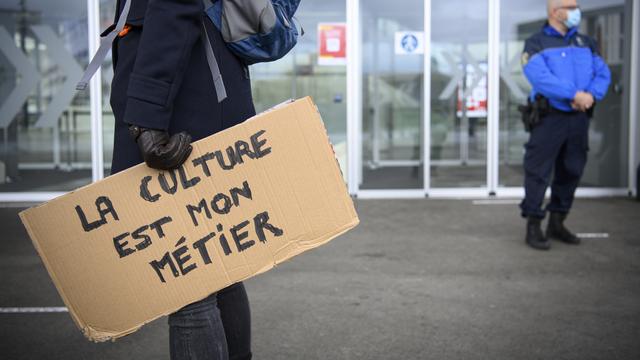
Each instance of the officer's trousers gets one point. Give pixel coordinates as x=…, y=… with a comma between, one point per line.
x=558, y=144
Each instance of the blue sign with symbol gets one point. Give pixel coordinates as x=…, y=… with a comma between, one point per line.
x=409, y=43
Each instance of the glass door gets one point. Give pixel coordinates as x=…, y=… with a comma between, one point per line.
x=459, y=65
x=473, y=142
x=392, y=93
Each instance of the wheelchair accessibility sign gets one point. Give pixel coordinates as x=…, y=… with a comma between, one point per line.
x=409, y=42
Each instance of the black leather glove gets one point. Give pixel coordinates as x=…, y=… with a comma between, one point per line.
x=159, y=150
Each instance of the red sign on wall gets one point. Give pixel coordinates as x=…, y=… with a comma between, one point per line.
x=332, y=44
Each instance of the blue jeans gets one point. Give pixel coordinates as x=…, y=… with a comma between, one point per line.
x=215, y=328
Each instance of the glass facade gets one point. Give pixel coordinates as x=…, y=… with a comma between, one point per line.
x=459, y=55
x=607, y=165
x=302, y=72
x=392, y=96
x=46, y=126
x=45, y=132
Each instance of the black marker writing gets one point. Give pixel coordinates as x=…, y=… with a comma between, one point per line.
x=104, y=208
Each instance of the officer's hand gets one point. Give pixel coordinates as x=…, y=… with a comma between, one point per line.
x=159, y=150
x=575, y=106
x=583, y=101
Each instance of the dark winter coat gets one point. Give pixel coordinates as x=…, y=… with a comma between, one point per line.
x=162, y=79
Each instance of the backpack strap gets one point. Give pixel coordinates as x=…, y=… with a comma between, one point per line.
x=107, y=41
x=213, y=66
x=105, y=46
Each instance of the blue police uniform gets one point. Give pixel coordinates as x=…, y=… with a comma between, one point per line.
x=558, y=66
x=162, y=81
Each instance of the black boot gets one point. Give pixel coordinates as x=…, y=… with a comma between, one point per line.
x=556, y=229
x=535, y=238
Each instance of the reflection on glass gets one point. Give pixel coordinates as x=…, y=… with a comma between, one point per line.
x=392, y=95
x=44, y=126
x=458, y=93
x=603, y=20
x=302, y=73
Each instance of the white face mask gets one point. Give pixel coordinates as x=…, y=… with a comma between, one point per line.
x=573, y=18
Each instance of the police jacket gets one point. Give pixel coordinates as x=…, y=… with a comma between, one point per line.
x=559, y=66
x=162, y=79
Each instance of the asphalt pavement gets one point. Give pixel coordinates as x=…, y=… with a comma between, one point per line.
x=418, y=279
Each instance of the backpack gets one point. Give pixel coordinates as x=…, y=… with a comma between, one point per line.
x=254, y=30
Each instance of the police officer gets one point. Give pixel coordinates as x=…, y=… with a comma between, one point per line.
x=563, y=66
x=163, y=96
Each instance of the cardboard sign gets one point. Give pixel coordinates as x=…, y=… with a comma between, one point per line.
x=332, y=44
x=144, y=243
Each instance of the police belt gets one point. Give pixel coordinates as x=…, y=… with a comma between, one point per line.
x=588, y=113
x=555, y=111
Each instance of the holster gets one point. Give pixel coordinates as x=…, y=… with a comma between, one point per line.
x=533, y=112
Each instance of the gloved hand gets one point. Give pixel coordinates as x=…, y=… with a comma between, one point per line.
x=159, y=150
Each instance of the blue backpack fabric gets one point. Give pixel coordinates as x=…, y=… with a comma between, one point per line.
x=256, y=30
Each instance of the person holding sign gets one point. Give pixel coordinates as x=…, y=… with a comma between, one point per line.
x=163, y=96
